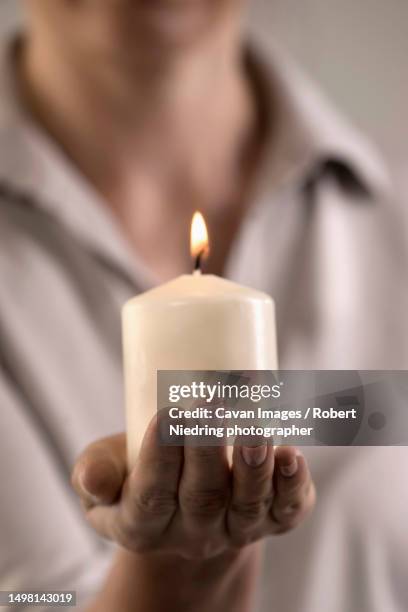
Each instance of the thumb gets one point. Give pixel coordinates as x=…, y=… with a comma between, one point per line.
x=99, y=473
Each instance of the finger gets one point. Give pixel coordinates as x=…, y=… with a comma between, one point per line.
x=204, y=487
x=99, y=473
x=150, y=496
x=294, y=490
x=252, y=490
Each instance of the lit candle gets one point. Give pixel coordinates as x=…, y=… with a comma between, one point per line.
x=194, y=322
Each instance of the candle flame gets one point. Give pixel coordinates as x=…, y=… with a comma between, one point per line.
x=199, y=244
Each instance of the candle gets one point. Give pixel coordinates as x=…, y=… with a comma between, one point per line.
x=194, y=322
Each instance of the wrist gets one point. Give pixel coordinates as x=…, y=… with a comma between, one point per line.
x=196, y=584
x=170, y=560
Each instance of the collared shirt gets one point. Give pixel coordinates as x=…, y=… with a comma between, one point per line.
x=325, y=238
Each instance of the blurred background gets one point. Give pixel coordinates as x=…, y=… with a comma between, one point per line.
x=357, y=50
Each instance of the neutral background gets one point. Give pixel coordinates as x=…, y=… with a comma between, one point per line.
x=357, y=49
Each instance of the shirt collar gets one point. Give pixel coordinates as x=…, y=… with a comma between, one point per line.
x=34, y=167
x=309, y=132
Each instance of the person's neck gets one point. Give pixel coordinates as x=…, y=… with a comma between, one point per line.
x=149, y=138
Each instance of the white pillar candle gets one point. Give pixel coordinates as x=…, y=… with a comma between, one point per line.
x=194, y=322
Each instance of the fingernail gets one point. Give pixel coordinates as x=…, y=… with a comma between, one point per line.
x=254, y=456
x=289, y=509
x=289, y=470
x=93, y=499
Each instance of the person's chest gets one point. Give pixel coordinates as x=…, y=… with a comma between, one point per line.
x=334, y=270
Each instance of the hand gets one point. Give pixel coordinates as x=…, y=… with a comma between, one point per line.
x=188, y=500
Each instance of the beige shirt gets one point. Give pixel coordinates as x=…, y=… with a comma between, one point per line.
x=324, y=238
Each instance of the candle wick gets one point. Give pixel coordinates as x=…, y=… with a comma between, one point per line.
x=198, y=260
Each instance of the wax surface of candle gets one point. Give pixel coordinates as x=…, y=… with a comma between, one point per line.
x=194, y=322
